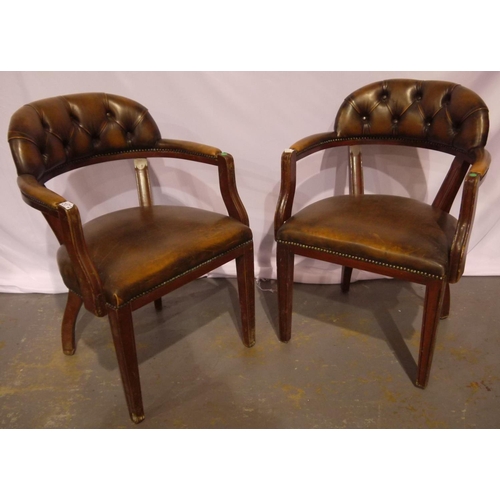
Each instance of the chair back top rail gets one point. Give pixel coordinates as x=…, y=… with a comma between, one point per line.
x=58, y=134
x=441, y=114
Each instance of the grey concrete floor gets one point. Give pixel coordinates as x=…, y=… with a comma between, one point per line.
x=350, y=363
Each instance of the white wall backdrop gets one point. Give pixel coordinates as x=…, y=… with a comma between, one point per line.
x=254, y=116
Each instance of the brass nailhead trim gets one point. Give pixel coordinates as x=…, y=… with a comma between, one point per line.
x=170, y=150
x=371, y=261
x=38, y=202
x=178, y=276
x=125, y=151
x=369, y=137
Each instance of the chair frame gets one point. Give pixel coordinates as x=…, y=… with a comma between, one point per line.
x=468, y=168
x=64, y=219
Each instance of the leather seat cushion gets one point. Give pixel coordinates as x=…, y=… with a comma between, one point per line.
x=392, y=231
x=138, y=249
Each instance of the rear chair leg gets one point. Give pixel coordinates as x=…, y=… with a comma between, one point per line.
x=122, y=329
x=246, y=291
x=434, y=297
x=73, y=306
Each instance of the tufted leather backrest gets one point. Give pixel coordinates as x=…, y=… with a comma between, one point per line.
x=441, y=115
x=54, y=135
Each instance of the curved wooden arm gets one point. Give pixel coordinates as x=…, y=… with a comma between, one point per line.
x=481, y=163
x=299, y=150
x=46, y=201
x=287, y=190
x=467, y=211
x=38, y=196
x=74, y=241
x=313, y=144
x=188, y=150
x=207, y=154
x=64, y=219
x=229, y=192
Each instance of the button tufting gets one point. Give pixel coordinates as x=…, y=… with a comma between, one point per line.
x=415, y=110
x=446, y=99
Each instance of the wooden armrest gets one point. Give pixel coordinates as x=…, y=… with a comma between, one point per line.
x=467, y=212
x=313, y=143
x=74, y=241
x=207, y=154
x=38, y=196
x=191, y=150
x=287, y=190
x=481, y=164
x=229, y=192
x=64, y=218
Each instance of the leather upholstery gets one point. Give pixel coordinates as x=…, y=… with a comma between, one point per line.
x=138, y=249
x=48, y=135
x=440, y=113
x=391, y=231
x=434, y=114
x=54, y=135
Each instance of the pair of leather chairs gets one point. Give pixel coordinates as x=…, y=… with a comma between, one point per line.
x=121, y=261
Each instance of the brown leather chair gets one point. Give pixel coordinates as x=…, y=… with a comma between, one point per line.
x=390, y=235
x=121, y=261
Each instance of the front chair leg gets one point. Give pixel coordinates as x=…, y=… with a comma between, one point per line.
x=434, y=296
x=73, y=306
x=123, y=337
x=285, y=258
x=246, y=291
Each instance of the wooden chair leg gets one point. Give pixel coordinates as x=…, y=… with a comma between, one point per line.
x=158, y=304
x=346, y=278
x=246, y=291
x=122, y=330
x=445, y=310
x=73, y=306
x=434, y=296
x=285, y=258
